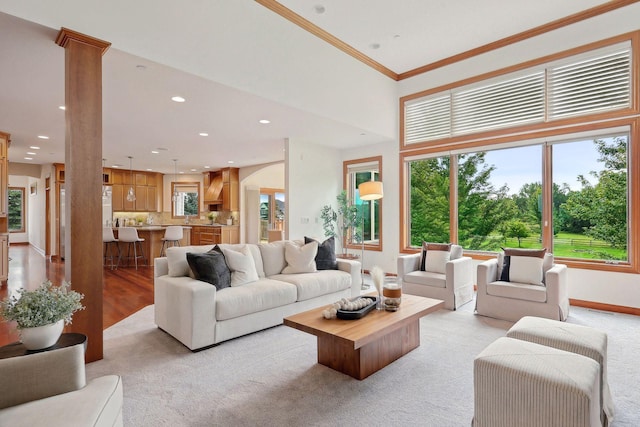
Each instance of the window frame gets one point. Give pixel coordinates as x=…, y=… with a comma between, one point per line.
x=633, y=191
x=23, y=190
x=185, y=184
x=346, y=184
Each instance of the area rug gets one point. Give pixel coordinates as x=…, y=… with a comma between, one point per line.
x=271, y=378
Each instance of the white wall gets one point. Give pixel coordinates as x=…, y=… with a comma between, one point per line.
x=603, y=287
x=21, y=182
x=390, y=202
x=313, y=176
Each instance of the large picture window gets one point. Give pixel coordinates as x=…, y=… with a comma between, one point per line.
x=566, y=192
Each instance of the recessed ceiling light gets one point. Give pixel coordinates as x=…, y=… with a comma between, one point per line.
x=265, y=121
x=162, y=149
x=320, y=9
x=28, y=158
x=43, y=137
x=193, y=170
x=207, y=167
x=178, y=99
x=230, y=162
x=374, y=46
x=34, y=147
x=141, y=67
x=396, y=36
x=115, y=166
x=203, y=134
x=155, y=152
x=149, y=169
x=31, y=153
x=62, y=107
x=181, y=172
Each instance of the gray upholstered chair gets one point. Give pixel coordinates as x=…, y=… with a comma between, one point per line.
x=451, y=281
x=546, y=295
x=49, y=389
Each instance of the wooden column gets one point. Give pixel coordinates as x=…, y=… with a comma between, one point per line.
x=83, y=180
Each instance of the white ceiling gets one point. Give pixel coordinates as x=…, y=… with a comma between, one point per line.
x=235, y=62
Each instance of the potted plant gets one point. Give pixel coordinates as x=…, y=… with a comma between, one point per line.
x=342, y=224
x=42, y=313
x=211, y=216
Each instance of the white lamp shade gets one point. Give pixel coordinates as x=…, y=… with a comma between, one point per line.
x=371, y=190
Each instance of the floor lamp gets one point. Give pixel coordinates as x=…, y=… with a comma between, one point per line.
x=369, y=190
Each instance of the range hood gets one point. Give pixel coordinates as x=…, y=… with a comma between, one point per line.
x=213, y=194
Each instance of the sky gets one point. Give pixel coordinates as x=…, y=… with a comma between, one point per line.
x=521, y=165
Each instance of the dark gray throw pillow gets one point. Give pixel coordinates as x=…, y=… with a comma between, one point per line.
x=210, y=267
x=326, y=257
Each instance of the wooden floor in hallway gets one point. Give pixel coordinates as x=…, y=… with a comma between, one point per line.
x=125, y=290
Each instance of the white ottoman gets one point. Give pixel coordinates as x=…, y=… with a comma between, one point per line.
x=578, y=339
x=519, y=383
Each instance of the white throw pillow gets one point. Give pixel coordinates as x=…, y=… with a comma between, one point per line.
x=242, y=266
x=273, y=257
x=436, y=261
x=526, y=269
x=300, y=259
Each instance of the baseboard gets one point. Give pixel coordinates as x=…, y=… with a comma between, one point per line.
x=37, y=249
x=605, y=307
x=19, y=243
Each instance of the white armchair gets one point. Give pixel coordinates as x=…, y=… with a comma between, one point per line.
x=454, y=286
x=512, y=300
x=49, y=389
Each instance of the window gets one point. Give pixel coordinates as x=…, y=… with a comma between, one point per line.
x=557, y=88
x=568, y=192
x=272, y=211
x=429, y=200
x=16, y=209
x=590, y=198
x=369, y=211
x=185, y=199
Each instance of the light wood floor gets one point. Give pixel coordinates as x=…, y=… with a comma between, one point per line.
x=126, y=290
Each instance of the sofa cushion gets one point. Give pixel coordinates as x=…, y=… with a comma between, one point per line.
x=253, y=250
x=300, y=259
x=177, y=258
x=273, y=257
x=440, y=251
x=253, y=297
x=210, y=267
x=427, y=278
x=326, y=257
x=242, y=266
x=311, y=285
x=523, y=266
x=515, y=290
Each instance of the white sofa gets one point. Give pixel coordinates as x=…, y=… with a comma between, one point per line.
x=198, y=315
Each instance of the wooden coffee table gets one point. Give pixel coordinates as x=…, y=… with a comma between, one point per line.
x=361, y=347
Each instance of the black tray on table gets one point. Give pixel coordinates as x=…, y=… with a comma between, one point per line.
x=357, y=314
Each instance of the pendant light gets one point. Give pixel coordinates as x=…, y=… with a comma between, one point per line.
x=106, y=191
x=131, y=195
x=175, y=180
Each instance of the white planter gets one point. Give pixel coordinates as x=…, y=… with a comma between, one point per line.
x=41, y=336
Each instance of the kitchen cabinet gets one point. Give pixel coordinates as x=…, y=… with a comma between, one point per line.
x=222, y=189
x=117, y=197
x=213, y=235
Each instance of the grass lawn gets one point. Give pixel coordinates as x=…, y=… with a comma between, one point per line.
x=570, y=245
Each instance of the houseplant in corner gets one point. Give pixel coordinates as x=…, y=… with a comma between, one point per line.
x=42, y=313
x=343, y=224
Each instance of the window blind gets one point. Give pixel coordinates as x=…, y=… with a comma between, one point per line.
x=596, y=84
x=506, y=103
x=427, y=118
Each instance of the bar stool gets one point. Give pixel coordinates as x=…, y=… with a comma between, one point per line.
x=129, y=235
x=172, y=237
x=109, y=242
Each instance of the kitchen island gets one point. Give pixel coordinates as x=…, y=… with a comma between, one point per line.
x=152, y=235
x=213, y=234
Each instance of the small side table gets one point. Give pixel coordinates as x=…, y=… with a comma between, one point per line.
x=66, y=340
